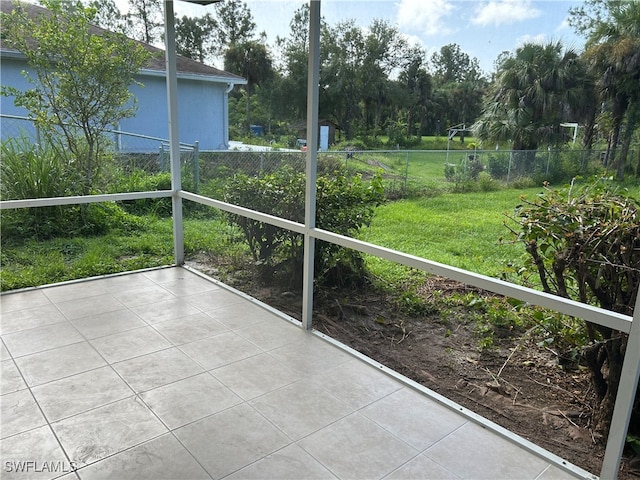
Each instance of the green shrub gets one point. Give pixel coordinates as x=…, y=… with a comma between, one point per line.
x=486, y=183
x=140, y=181
x=583, y=243
x=344, y=205
x=498, y=166
x=450, y=171
x=34, y=171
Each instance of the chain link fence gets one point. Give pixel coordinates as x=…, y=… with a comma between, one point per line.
x=403, y=172
x=130, y=156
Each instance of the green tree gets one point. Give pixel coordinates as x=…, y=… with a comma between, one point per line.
x=146, y=18
x=384, y=51
x=109, y=17
x=612, y=29
x=80, y=79
x=417, y=84
x=195, y=37
x=340, y=73
x=459, y=86
x=452, y=64
x=294, y=69
x=534, y=91
x=235, y=24
x=251, y=60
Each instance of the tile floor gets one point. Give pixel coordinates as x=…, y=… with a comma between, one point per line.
x=164, y=374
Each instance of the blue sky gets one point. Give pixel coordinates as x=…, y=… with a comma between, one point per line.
x=482, y=28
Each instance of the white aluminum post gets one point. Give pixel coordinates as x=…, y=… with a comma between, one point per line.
x=174, y=135
x=312, y=162
x=624, y=400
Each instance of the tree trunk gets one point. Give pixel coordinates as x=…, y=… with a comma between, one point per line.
x=248, y=107
x=613, y=349
x=632, y=116
x=614, y=138
x=589, y=130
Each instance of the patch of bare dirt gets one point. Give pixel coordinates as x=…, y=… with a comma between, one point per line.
x=516, y=383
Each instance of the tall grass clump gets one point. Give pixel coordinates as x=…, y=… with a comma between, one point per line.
x=34, y=171
x=30, y=171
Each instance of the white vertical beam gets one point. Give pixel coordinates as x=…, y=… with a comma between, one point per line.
x=312, y=161
x=174, y=135
x=624, y=400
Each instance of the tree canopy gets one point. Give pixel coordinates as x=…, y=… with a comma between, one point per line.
x=613, y=54
x=535, y=90
x=375, y=82
x=80, y=79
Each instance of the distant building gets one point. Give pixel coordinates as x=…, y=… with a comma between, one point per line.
x=301, y=129
x=202, y=93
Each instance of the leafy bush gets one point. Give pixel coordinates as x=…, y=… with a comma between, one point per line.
x=486, y=183
x=40, y=171
x=584, y=243
x=397, y=136
x=450, y=171
x=498, y=166
x=344, y=204
x=140, y=181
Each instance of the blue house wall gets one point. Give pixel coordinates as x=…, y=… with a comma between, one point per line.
x=202, y=110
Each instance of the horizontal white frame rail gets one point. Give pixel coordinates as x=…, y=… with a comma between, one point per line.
x=78, y=199
x=607, y=318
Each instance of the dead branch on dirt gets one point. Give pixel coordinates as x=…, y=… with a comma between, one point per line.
x=524, y=336
x=556, y=387
x=568, y=419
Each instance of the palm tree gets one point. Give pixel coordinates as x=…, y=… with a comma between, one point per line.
x=535, y=90
x=613, y=53
x=251, y=60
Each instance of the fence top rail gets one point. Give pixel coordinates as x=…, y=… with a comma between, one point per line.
x=116, y=132
x=396, y=152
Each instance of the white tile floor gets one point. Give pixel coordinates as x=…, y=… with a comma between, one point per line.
x=164, y=374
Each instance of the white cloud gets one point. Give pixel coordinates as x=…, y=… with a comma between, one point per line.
x=498, y=12
x=424, y=17
x=564, y=25
x=413, y=40
x=540, y=39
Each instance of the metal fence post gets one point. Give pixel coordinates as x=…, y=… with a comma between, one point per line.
x=406, y=173
x=161, y=159
x=548, y=159
x=196, y=166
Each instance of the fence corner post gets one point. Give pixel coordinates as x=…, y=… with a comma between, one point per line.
x=196, y=166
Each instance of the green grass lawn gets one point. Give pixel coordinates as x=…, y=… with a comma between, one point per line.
x=462, y=230
x=33, y=262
